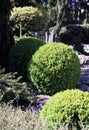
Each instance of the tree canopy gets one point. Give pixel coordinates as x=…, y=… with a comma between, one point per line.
x=65, y=12
x=28, y=19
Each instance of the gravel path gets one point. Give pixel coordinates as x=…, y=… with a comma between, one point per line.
x=84, y=79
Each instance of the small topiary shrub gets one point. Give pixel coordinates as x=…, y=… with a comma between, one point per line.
x=22, y=52
x=70, y=108
x=14, y=91
x=54, y=67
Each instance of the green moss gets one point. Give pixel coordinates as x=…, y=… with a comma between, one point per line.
x=22, y=52
x=70, y=108
x=54, y=67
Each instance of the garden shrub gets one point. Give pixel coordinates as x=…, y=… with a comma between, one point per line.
x=28, y=18
x=70, y=108
x=21, y=53
x=54, y=67
x=75, y=35
x=13, y=90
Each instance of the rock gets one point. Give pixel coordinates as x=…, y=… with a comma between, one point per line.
x=84, y=79
x=85, y=71
x=84, y=60
x=41, y=100
x=82, y=87
x=43, y=97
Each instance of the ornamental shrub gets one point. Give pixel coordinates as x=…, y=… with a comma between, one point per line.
x=75, y=35
x=25, y=19
x=13, y=90
x=22, y=52
x=70, y=108
x=54, y=67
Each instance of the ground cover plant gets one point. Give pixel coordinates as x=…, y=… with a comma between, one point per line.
x=21, y=53
x=54, y=67
x=16, y=119
x=70, y=108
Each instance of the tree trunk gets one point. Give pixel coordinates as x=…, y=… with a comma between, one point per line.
x=6, y=37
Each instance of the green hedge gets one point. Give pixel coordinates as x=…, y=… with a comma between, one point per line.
x=22, y=52
x=54, y=67
x=70, y=108
x=75, y=35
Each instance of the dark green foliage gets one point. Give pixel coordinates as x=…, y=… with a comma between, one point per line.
x=12, y=90
x=54, y=67
x=75, y=35
x=70, y=108
x=22, y=52
x=22, y=3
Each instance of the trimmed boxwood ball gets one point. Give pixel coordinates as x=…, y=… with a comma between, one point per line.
x=54, y=67
x=21, y=53
x=70, y=108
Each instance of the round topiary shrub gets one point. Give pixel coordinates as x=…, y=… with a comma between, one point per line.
x=21, y=53
x=69, y=108
x=54, y=67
